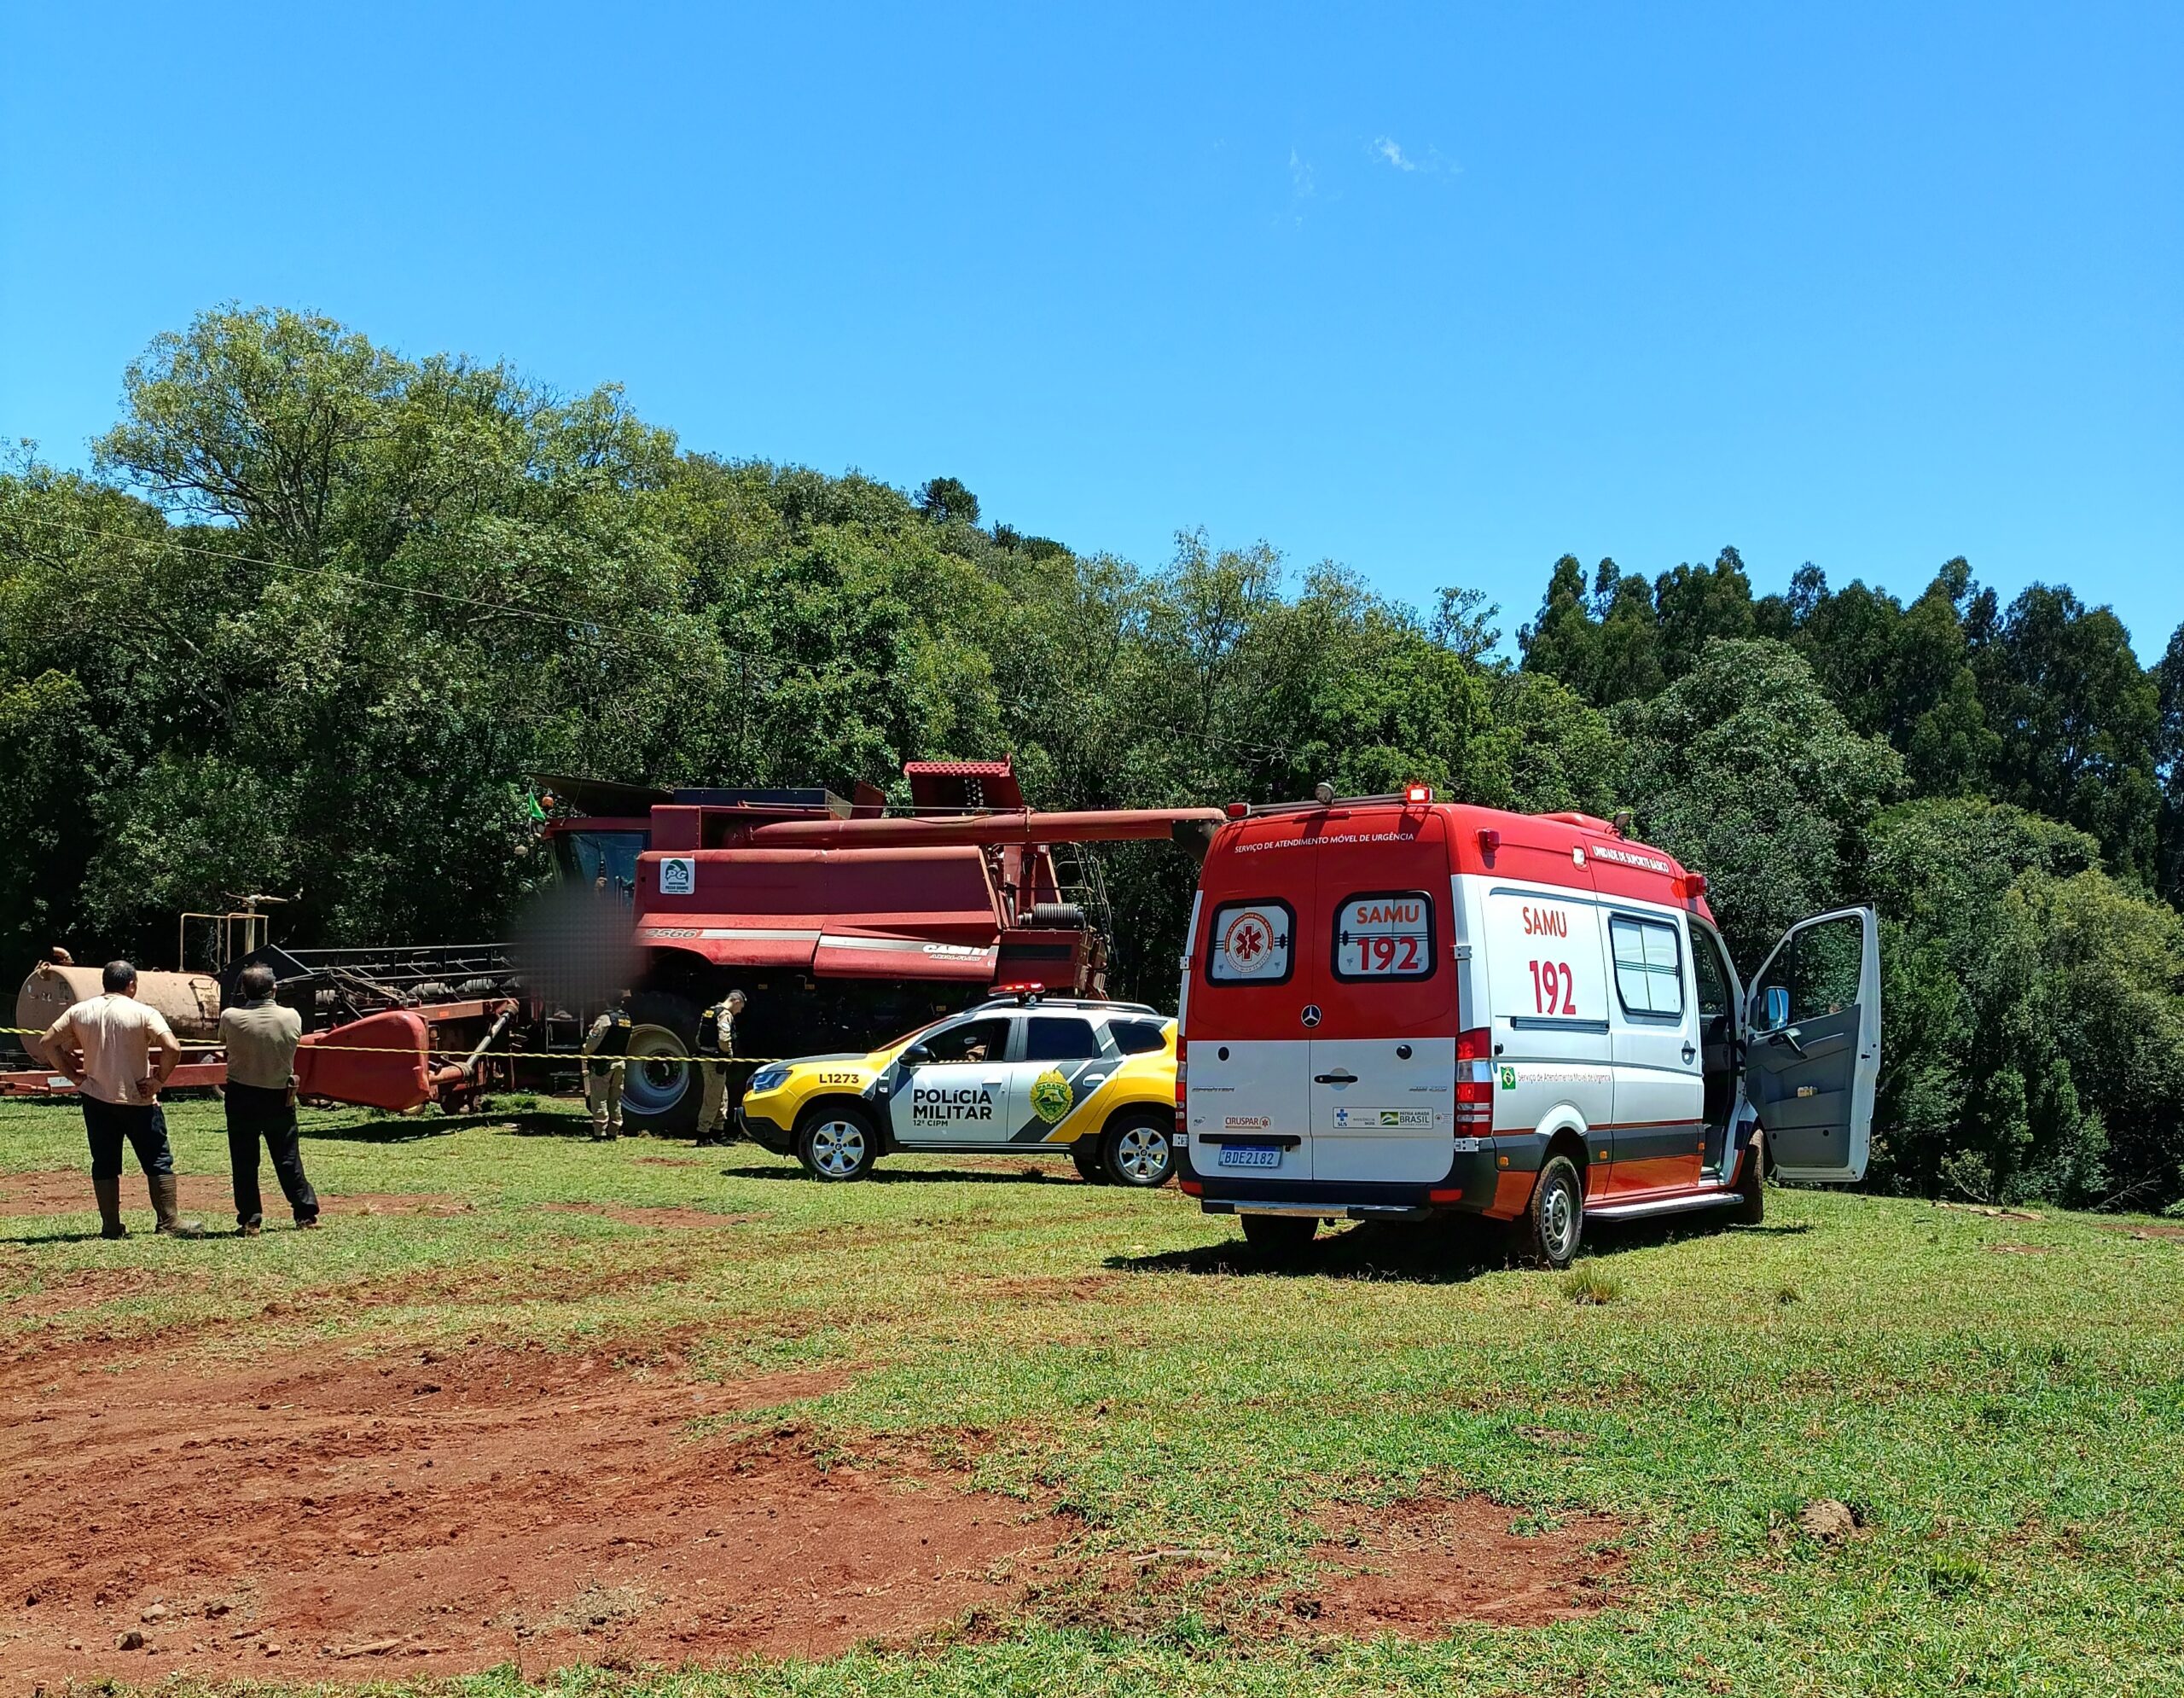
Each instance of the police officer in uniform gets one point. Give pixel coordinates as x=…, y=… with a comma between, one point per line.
x=604, y=1049
x=716, y=1036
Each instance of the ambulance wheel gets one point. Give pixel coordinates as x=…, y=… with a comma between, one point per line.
x=1091, y=1162
x=1139, y=1154
x=1554, y=1220
x=835, y=1141
x=1751, y=1186
x=1280, y=1237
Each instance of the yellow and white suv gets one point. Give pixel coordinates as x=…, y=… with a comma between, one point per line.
x=1018, y=1074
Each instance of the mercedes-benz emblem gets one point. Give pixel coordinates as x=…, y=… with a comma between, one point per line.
x=1311, y=1014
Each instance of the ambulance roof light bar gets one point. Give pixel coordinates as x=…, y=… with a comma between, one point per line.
x=1324, y=797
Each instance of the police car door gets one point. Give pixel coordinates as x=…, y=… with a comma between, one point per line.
x=1059, y=1064
x=955, y=1089
x=1812, y=1060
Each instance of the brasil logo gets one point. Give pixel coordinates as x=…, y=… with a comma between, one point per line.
x=1051, y=1096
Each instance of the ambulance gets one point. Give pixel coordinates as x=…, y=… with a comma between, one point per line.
x=1394, y=1007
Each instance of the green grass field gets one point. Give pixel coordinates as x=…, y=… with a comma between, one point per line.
x=2008, y=1426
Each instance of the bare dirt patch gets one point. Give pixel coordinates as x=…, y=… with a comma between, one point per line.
x=68, y=1191
x=83, y=1289
x=2142, y=1231
x=309, y=1520
x=647, y=1216
x=1419, y=1568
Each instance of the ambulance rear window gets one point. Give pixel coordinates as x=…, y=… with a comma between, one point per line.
x=1250, y=942
x=1385, y=934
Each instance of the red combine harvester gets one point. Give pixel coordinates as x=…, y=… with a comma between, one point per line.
x=843, y=926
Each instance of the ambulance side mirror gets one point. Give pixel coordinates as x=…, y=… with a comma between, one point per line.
x=1777, y=1008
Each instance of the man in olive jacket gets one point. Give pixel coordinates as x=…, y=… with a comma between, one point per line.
x=261, y=1036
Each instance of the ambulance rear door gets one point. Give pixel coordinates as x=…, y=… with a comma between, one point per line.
x=1812, y=1055
x=1384, y=1047
x=1246, y=1044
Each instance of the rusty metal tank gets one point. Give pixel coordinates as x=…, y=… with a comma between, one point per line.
x=190, y=1001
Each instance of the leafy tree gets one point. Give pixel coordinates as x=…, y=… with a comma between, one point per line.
x=1744, y=768
x=946, y=501
x=2076, y=716
x=1695, y=604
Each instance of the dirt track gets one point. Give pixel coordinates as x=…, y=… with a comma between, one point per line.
x=347, y=1520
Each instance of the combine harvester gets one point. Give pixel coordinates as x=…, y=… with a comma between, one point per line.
x=844, y=925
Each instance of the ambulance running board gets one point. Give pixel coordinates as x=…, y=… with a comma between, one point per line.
x=1638, y=1211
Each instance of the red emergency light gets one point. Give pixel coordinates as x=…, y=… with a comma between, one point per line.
x=1238, y=810
x=1417, y=795
x=1025, y=991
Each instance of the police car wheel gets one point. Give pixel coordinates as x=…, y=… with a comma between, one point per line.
x=836, y=1142
x=1138, y=1153
x=1090, y=1159
x=1553, y=1222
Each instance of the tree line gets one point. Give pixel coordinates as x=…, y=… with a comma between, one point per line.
x=318, y=612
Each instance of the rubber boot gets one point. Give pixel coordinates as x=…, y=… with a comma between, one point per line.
x=107, y=1191
x=164, y=1206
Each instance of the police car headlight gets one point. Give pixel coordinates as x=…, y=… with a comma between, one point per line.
x=769, y=1078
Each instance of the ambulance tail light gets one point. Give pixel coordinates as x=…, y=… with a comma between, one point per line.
x=1474, y=1082
x=1182, y=1123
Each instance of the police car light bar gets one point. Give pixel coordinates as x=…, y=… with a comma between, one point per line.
x=1024, y=991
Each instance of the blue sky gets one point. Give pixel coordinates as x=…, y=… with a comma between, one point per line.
x=1440, y=292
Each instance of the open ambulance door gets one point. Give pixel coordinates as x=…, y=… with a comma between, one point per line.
x=1812, y=1055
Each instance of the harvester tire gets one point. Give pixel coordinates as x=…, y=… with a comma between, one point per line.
x=658, y=1097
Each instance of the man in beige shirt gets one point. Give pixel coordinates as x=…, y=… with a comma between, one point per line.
x=261, y=1036
x=119, y=1052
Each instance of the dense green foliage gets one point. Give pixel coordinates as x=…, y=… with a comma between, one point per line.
x=323, y=609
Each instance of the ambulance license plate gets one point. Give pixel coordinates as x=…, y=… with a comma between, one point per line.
x=1251, y=1155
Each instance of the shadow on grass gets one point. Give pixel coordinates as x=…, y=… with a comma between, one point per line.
x=386, y=1129
x=897, y=1176
x=1449, y=1251
x=52, y=1238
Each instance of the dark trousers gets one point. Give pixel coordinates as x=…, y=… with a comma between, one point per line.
x=256, y=1112
x=143, y=1123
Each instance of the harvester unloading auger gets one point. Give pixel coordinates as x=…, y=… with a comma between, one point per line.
x=842, y=924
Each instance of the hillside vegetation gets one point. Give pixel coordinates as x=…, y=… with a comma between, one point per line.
x=320, y=609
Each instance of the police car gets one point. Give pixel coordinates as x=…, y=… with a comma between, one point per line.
x=1022, y=1072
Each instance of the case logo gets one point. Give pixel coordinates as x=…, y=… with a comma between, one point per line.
x=1051, y=1097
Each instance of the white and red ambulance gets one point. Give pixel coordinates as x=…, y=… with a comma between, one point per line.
x=1394, y=1007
